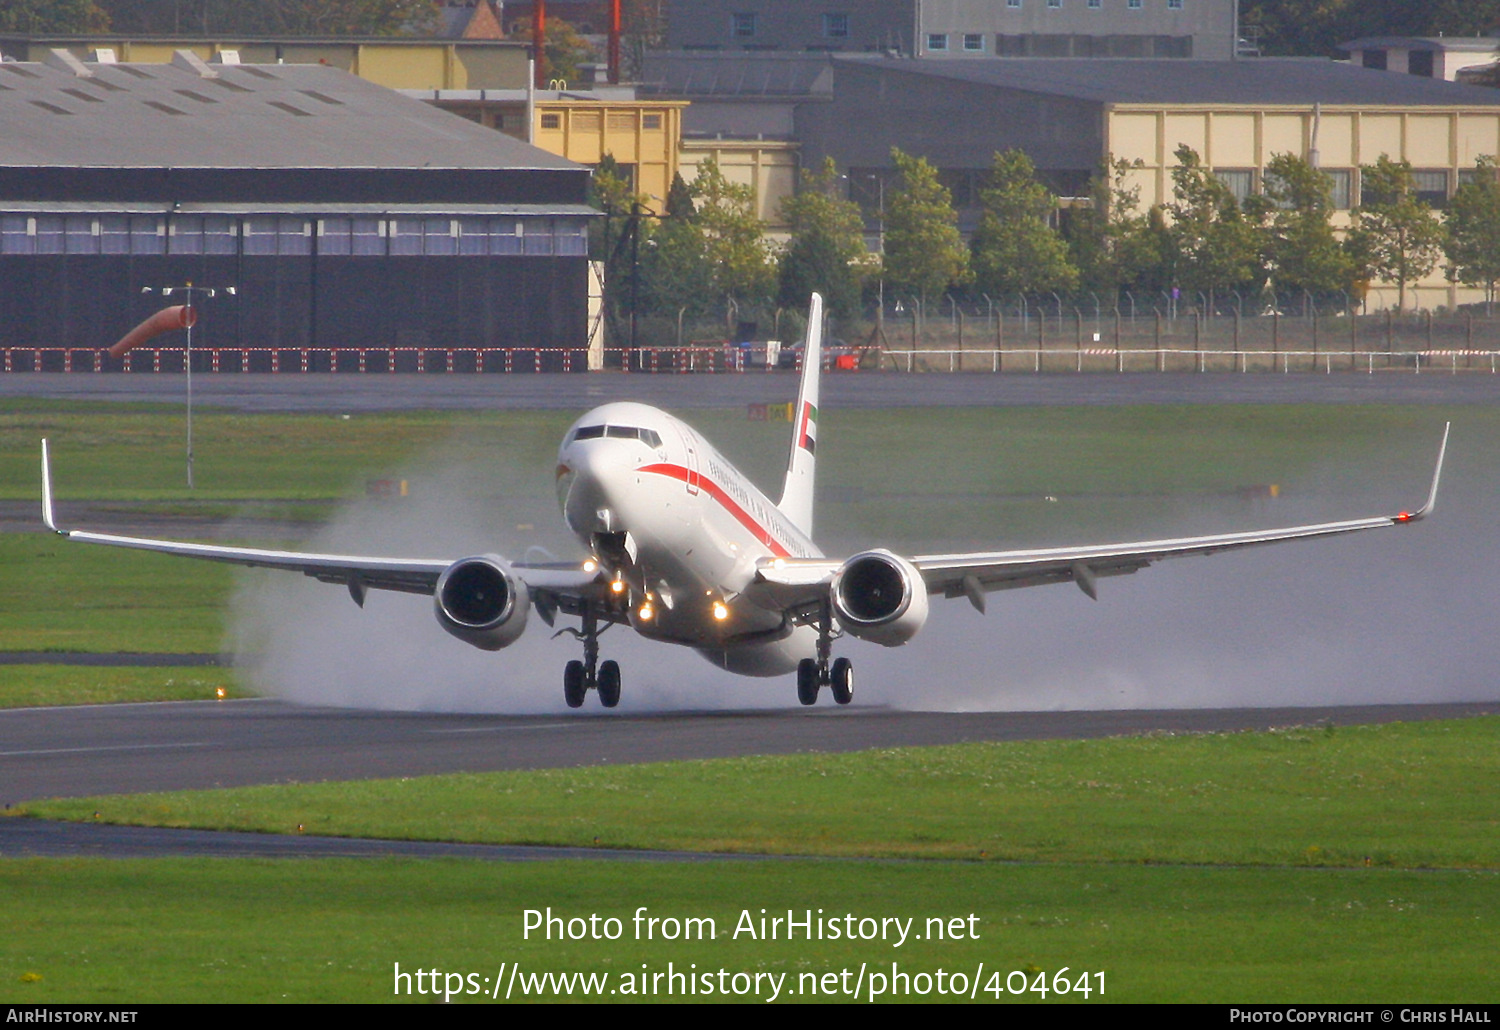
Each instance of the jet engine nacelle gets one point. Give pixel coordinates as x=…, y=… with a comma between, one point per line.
x=482, y=602
x=880, y=597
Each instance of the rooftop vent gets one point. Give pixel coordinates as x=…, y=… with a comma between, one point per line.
x=104, y=55
x=226, y=57
x=193, y=63
x=63, y=60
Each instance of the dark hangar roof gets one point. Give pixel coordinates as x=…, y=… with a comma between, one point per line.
x=1251, y=81
x=187, y=114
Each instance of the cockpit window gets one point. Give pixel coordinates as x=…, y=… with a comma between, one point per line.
x=649, y=437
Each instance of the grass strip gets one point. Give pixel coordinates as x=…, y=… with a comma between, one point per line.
x=183, y=930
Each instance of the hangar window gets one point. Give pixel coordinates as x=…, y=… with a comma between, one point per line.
x=406, y=237
x=114, y=234
x=49, y=234
x=505, y=236
x=220, y=234
x=266, y=236
x=552, y=121
x=571, y=238
x=17, y=234
x=651, y=121
x=147, y=235
x=836, y=26
x=974, y=42
x=367, y=237
x=473, y=237
x=81, y=234
x=334, y=236
x=439, y=236
x=538, y=238
x=185, y=235
x=937, y=41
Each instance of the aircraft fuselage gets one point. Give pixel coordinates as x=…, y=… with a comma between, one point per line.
x=682, y=529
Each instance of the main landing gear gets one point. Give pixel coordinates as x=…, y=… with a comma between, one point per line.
x=815, y=673
x=580, y=677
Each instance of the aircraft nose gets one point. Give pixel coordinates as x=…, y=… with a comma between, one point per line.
x=583, y=488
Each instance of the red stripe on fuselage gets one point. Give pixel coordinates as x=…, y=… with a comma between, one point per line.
x=726, y=502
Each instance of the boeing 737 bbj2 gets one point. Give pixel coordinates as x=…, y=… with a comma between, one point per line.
x=684, y=549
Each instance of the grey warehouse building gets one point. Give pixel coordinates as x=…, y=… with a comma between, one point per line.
x=345, y=215
x=1202, y=29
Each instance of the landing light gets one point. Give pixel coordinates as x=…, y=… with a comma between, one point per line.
x=646, y=612
x=618, y=586
x=721, y=612
x=590, y=565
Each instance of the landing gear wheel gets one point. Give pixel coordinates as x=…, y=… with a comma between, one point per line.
x=609, y=684
x=574, y=686
x=842, y=681
x=808, y=681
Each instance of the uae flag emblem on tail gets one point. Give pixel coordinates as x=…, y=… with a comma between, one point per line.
x=809, y=435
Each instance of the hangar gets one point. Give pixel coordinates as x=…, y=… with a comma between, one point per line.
x=345, y=214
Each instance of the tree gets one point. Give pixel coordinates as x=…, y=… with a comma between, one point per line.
x=826, y=251
x=38, y=17
x=1015, y=249
x=734, y=249
x=1474, y=231
x=274, y=17
x=1111, y=242
x=1395, y=235
x=1303, y=252
x=1216, y=246
x=563, y=49
x=924, y=254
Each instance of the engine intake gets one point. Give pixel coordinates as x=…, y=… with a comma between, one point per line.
x=880, y=597
x=482, y=602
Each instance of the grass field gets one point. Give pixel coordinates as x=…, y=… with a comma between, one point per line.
x=1181, y=868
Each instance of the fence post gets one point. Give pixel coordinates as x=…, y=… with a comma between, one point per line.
x=1239, y=359
x=1161, y=359
x=1119, y=354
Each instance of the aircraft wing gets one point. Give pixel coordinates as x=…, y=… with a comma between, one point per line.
x=358, y=572
x=973, y=575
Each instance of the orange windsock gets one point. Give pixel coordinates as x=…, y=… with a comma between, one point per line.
x=178, y=316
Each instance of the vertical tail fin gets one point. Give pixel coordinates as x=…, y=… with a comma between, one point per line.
x=797, y=495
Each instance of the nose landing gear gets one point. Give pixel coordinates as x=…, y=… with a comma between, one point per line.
x=580, y=677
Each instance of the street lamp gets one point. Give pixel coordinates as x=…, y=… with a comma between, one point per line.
x=190, y=316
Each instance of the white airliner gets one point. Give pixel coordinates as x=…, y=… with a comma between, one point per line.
x=684, y=549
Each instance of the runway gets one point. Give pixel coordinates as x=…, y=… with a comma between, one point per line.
x=370, y=392
x=134, y=748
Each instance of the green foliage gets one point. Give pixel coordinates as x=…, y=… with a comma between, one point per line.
x=1396, y=236
x=924, y=253
x=274, y=17
x=563, y=49
x=1474, y=230
x=734, y=248
x=1217, y=247
x=1104, y=239
x=63, y=17
x=1303, y=251
x=826, y=251
x=1015, y=249
x=1317, y=27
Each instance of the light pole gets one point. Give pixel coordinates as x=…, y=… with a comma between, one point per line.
x=880, y=248
x=190, y=316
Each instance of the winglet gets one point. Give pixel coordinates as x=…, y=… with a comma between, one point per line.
x=797, y=495
x=1437, y=475
x=47, y=516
